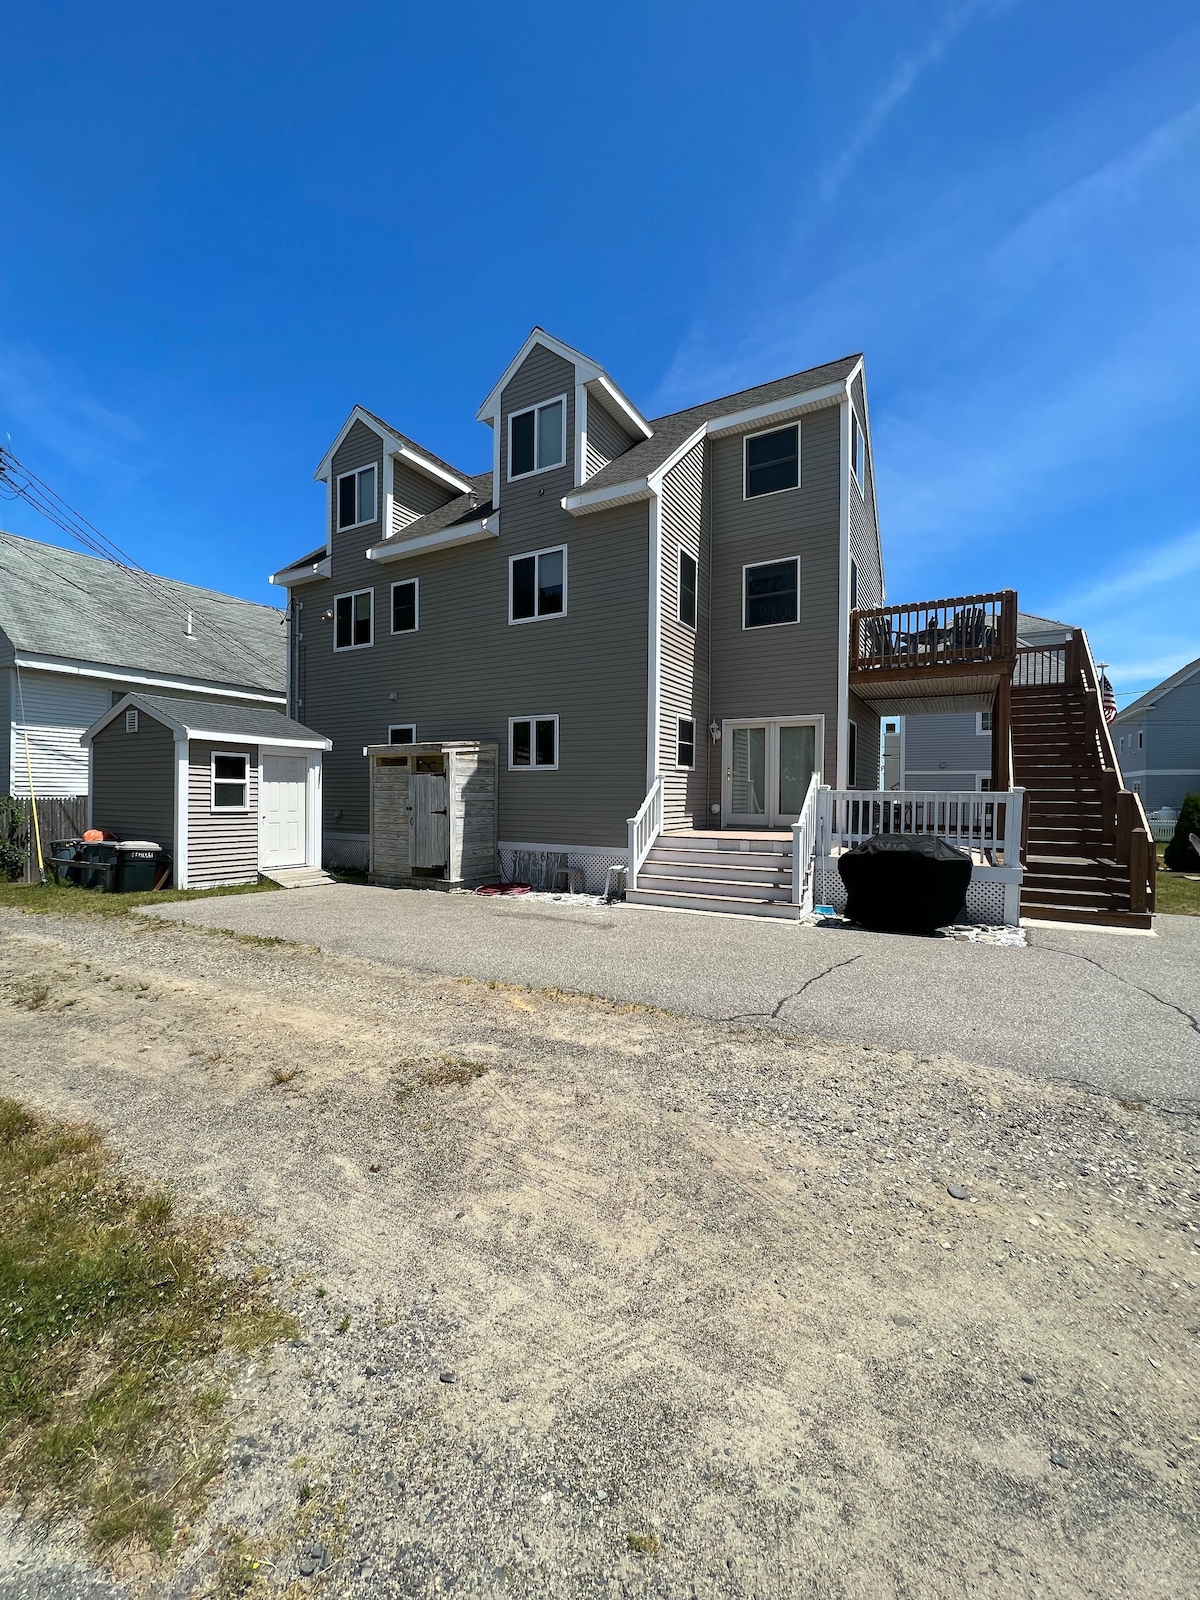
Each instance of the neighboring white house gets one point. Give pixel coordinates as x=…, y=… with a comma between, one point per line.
x=78, y=633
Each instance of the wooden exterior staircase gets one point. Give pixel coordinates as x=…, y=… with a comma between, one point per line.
x=1089, y=855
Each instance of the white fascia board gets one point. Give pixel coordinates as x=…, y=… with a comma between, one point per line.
x=613, y=399
x=422, y=463
x=292, y=577
x=656, y=477
x=617, y=494
x=790, y=406
x=182, y=730
x=393, y=446
x=444, y=539
x=859, y=370
x=287, y=742
x=491, y=406
x=145, y=680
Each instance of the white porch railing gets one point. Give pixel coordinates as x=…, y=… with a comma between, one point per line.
x=987, y=824
x=644, y=829
x=804, y=846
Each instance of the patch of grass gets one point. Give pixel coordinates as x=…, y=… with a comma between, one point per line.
x=644, y=1544
x=282, y=1075
x=441, y=1072
x=31, y=994
x=60, y=900
x=116, y=1319
x=1177, y=895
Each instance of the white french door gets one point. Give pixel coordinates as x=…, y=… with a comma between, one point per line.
x=768, y=767
x=282, y=805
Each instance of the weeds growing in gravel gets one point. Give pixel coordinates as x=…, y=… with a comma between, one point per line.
x=440, y=1072
x=114, y=1318
x=644, y=1544
x=281, y=1075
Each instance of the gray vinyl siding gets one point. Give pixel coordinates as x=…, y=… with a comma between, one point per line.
x=1167, y=767
x=413, y=495
x=134, y=781
x=684, y=650
x=790, y=670
x=945, y=744
x=466, y=670
x=222, y=845
x=359, y=448
x=864, y=514
x=7, y=717
x=606, y=439
x=867, y=721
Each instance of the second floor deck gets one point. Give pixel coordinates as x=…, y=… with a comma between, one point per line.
x=934, y=655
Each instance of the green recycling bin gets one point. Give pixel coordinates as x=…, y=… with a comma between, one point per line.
x=139, y=865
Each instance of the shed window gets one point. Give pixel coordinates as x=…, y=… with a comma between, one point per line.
x=354, y=616
x=402, y=733
x=533, y=742
x=772, y=593
x=404, y=606
x=230, y=781
x=685, y=743
x=356, y=498
x=687, y=588
x=538, y=585
x=536, y=438
x=772, y=461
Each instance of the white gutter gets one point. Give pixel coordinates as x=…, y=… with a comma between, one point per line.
x=84, y=669
x=300, y=573
x=445, y=539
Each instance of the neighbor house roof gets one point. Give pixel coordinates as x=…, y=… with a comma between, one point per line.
x=1029, y=626
x=59, y=603
x=211, y=719
x=1147, y=700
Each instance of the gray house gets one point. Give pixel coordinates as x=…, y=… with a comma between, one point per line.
x=954, y=750
x=77, y=634
x=622, y=604
x=1158, y=740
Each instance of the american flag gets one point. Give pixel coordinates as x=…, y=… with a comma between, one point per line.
x=1107, y=698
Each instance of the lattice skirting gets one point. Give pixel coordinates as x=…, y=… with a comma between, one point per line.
x=537, y=864
x=346, y=852
x=985, y=897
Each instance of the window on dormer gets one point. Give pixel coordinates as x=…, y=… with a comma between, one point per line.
x=537, y=438
x=356, y=498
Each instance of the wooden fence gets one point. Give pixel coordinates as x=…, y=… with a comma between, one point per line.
x=59, y=817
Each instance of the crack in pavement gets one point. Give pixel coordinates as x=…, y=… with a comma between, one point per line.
x=1129, y=984
x=773, y=1014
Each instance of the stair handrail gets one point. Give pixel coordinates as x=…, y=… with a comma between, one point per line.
x=1132, y=836
x=644, y=829
x=804, y=846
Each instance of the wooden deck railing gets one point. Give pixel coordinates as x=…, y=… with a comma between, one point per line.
x=972, y=628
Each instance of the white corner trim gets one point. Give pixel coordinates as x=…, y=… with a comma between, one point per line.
x=581, y=433
x=312, y=816
x=445, y=539
x=843, y=633
x=182, y=781
x=654, y=662
x=655, y=478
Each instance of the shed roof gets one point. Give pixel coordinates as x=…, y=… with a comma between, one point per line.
x=212, y=719
x=56, y=602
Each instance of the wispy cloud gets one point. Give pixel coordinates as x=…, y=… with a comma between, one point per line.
x=1178, y=558
x=44, y=408
x=901, y=84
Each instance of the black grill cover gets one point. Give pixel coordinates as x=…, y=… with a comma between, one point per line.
x=904, y=882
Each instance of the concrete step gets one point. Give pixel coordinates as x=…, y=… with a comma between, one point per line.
x=732, y=906
x=297, y=877
x=729, y=871
x=720, y=888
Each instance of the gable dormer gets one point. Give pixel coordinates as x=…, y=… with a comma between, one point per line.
x=557, y=418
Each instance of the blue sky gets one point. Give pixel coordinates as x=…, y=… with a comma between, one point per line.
x=225, y=225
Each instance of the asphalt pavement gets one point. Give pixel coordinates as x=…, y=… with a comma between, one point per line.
x=1115, y=1011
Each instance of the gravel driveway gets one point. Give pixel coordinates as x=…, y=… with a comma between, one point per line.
x=1117, y=1011
x=598, y=1301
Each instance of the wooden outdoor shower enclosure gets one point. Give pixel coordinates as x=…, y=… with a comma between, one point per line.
x=433, y=814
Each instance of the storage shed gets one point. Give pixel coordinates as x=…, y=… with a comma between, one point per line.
x=229, y=790
x=433, y=814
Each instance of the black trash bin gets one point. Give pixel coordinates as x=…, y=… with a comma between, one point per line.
x=63, y=855
x=97, y=864
x=905, y=883
x=139, y=865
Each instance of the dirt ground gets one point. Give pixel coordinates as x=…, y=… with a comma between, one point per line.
x=603, y=1301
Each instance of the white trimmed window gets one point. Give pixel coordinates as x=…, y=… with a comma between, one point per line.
x=985, y=722
x=354, y=620
x=688, y=574
x=406, y=606
x=355, y=498
x=771, y=461
x=537, y=585
x=402, y=733
x=771, y=593
x=532, y=742
x=230, y=781
x=685, y=743
x=537, y=438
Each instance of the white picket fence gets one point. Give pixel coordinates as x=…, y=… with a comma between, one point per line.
x=986, y=824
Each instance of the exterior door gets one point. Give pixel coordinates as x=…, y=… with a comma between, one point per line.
x=430, y=819
x=282, y=808
x=768, y=767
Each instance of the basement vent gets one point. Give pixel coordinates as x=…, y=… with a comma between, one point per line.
x=131, y=720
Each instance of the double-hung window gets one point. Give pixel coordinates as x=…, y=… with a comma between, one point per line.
x=537, y=585
x=230, y=781
x=354, y=620
x=772, y=461
x=533, y=742
x=858, y=451
x=985, y=722
x=771, y=593
x=688, y=571
x=405, y=606
x=685, y=743
x=537, y=438
x=356, y=498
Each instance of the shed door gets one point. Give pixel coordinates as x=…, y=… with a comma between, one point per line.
x=282, y=808
x=430, y=822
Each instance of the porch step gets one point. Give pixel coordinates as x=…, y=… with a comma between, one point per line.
x=1034, y=911
x=717, y=872
x=722, y=888
x=297, y=877
x=710, y=871
x=731, y=905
